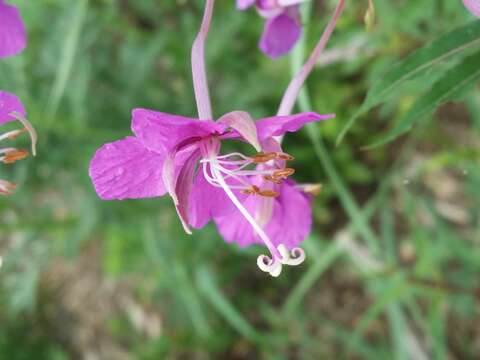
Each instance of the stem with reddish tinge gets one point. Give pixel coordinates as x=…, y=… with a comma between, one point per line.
x=291, y=94
x=199, y=74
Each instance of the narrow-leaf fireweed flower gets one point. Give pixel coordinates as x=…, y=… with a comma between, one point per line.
x=13, y=40
x=473, y=6
x=282, y=26
x=181, y=156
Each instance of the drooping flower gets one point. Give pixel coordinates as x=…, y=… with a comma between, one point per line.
x=473, y=6
x=13, y=38
x=282, y=26
x=11, y=109
x=181, y=156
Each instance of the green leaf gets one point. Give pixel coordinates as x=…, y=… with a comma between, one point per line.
x=453, y=82
x=462, y=38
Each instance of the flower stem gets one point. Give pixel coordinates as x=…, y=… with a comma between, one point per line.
x=199, y=74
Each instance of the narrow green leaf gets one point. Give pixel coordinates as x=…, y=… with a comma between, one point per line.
x=460, y=39
x=454, y=81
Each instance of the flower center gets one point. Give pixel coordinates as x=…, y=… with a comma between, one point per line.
x=233, y=172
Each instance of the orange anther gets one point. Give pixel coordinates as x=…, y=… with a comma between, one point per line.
x=284, y=173
x=285, y=156
x=14, y=155
x=272, y=179
x=268, y=193
x=250, y=191
x=263, y=157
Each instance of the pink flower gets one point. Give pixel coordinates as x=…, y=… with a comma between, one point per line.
x=12, y=41
x=282, y=27
x=13, y=38
x=473, y=6
x=181, y=156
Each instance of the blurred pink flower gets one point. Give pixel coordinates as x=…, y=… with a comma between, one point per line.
x=282, y=26
x=13, y=38
x=473, y=6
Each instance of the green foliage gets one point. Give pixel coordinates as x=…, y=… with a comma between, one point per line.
x=393, y=259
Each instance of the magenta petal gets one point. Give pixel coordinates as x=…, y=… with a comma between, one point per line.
x=233, y=227
x=290, y=223
x=244, y=4
x=163, y=132
x=9, y=103
x=279, y=125
x=13, y=38
x=208, y=201
x=243, y=123
x=126, y=169
x=292, y=217
x=279, y=36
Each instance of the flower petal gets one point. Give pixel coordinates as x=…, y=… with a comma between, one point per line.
x=290, y=222
x=163, y=132
x=126, y=169
x=13, y=37
x=9, y=103
x=234, y=227
x=243, y=123
x=279, y=36
x=279, y=125
x=244, y=4
x=208, y=201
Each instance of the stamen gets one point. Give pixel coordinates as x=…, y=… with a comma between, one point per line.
x=14, y=155
x=263, y=157
x=283, y=173
x=272, y=179
x=285, y=156
x=12, y=135
x=268, y=193
x=311, y=189
x=251, y=190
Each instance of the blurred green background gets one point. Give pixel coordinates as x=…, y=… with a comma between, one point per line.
x=393, y=262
